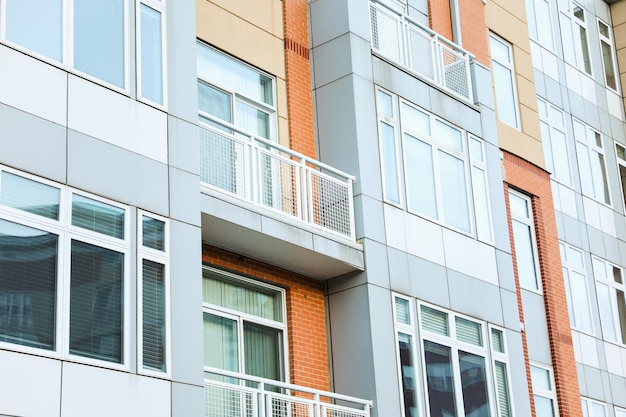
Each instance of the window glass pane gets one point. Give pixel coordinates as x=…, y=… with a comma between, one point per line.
x=598, y=410
x=407, y=372
x=99, y=39
x=448, y=136
x=601, y=184
x=420, y=176
x=524, y=253
x=434, y=320
x=241, y=296
x=620, y=413
x=547, y=147
x=497, y=340
x=481, y=204
x=262, y=353
x=96, y=302
x=505, y=98
x=502, y=390
x=220, y=343
x=153, y=233
x=617, y=275
x=474, y=385
x=415, y=120
x=454, y=191
x=390, y=163
x=543, y=406
x=609, y=68
x=439, y=378
x=582, y=314
x=567, y=37
x=575, y=257
x=499, y=50
x=252, y=119
x=97, y=216
x=568, y=294
x=403, y=312
x=215, y=102
x=584, y=166
x=153, y=300
x=544, y=25
x=28, y=285
x=621, y=314
x=519, y=206
x=584, y=47
x=476, y=150
x=30, y=196
x=384, y=103
x=561, y=159
x=151, y=55
x=36, y=25
x=540, y=378
x=606, y=311
x=469, y=331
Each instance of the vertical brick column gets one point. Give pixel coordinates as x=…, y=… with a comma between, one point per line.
x=298, y=77
x=474, y=29
x=618, y=17
x=536, y=182
x=439, y=17
x=306, y=314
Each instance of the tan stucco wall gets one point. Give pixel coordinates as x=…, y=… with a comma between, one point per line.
x=251, y=30
x=618, y=17
x=507, y=19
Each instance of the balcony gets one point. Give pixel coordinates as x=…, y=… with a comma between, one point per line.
x=406, y=42
x=276, y=205
x=230, y=394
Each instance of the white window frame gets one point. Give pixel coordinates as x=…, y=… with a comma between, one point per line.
x=601, y=278
x=67, y=232
x=608, y=40
x=501, y=357
x=534, y=17
x=596, y=163
x=588, y=403
x=409, y=330
x=392, y=122
x=575, y=25
x=544, y=393
x=240, y=317
x=549, y=116
x=160, y=7
x=163, y=258
x=620, y=412
x=568, y=268
x=530, y=223
x=510, y=66
x=620, y=157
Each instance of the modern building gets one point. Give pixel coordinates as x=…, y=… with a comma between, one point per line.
x=342, y=208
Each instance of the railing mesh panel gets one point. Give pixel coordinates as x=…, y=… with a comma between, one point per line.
x=336, y=412
x=226, y=402
x=385, y=33
x=279, y=183
x=330, y=203
x=455, y=72
x=281, y=407
x=223, y=162
x=421, y=49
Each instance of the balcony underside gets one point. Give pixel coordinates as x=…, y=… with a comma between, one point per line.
x=256, y=232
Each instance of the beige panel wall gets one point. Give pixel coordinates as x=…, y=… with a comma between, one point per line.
x=507, y=19
x=618, y=16
x=251, y=30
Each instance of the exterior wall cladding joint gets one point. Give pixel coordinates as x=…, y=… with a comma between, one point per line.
x=475, y=266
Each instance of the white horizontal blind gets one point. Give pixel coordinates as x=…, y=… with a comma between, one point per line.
x=30, y=196
x=469, y=331
x=97, y=216
x=403, y=314
x=153, y=326
x=434, y=320
x=502, y=388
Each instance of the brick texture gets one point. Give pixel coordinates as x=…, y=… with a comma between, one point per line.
x=535, y=182
x=306, y=314
x=298, y=77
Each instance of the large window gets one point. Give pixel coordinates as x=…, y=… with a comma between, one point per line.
x=544, y=394
x=592, y=408
x=611, y=301
x=574, y=35
x=244, y=325
x=504, y=80
x=434, y=168
x=575, y=278
x=65, y=276
x=591, y=162
x=540, y=22
x=92, y=38
x=464, y=363
x=524, y=241
x=620, y=152
x=554, y=139
x=608, y=56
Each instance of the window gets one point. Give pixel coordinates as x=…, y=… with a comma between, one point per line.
x=504, y=80
x=92, y=38
x=444, y=168
x=405, y=351
x=462, y=359
x=524, y=240
x=620, y=151
x=554, y=139
x=64, y=271
x=153, y=293
x=620, y=412
x=574, y=35
x=591, y=165
x=244, y=325
x=608, y=60
x=544, y=395
x=540, y=22
x=611, y=300
x=576, y=288
x=593, y=408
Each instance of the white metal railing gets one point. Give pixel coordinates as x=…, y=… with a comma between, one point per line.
x=273, y=176
x=231, y=394
x=407, y=42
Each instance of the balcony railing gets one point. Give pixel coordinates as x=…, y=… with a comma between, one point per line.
x=230, y=394
x=267, y=174
x=407, y=42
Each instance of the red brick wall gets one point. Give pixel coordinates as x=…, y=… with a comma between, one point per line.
x=535, y=182
x=439, y=17
x=298, y=77
x=306, y=314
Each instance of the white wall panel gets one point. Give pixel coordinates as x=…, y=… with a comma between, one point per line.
x=424, y=239
x=469, y=256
